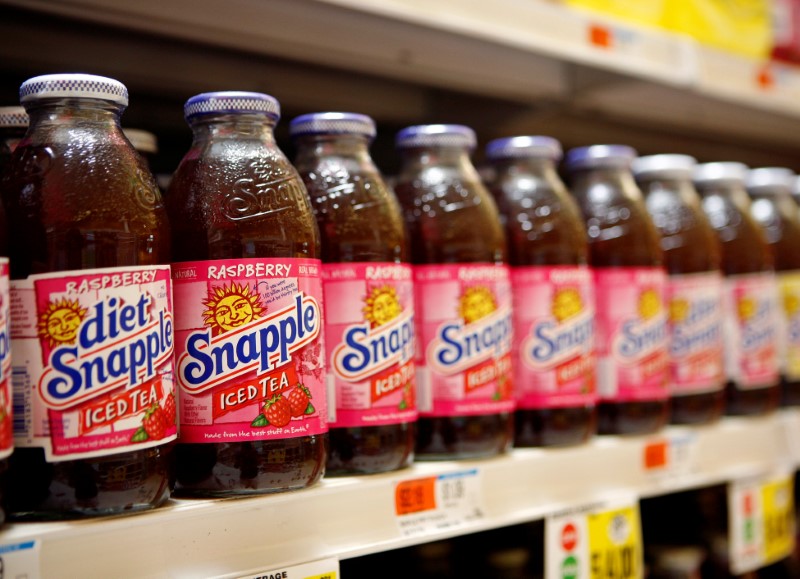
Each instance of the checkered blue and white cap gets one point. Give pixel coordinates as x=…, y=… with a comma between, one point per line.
x=73, y=85
x=13, y=117
x=436, y=136
x=232, y=102
x=332, y=124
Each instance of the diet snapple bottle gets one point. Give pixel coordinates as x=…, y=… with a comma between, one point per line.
x=368, y=290
x=248, y=322
x=463, y=296
x=776, y=212
x=91, y=309
x=694, y=287
x=554, y=365
x=630, y=285
x=750, y=305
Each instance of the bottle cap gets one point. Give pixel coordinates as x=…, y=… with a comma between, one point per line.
x=726, y=171
x=332, y=124
x=770, y=179
x=524, y=147
x=436, y=136
x=142, y=141
x=600, y=156
x=13, y=117
x=669, y=166
x=231, y=102
x=73, y=85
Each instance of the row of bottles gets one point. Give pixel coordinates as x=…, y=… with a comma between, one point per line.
x=452, y=320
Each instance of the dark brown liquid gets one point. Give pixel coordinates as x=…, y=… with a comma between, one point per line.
x=690, y=246
x=621, y=234
x=452, y=219
x=544, y=228
x=361, y=222
x=780, y=221
x=237, y=201
x=744, y=250
x=74, y=204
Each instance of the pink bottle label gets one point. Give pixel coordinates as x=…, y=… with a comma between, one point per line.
x=249, y=349
x=695, y=330
x=554, y=362
x=369, y=336
x=751, y=330
x=6, y=425
x=632, y=344
x=93, y=361
x=465, y=332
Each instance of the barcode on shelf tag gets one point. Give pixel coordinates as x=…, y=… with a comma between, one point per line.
x=595, y=541
x=761, y=521
x=437, y=503
x=671, y=456
x=20, y=560
x=323, y=569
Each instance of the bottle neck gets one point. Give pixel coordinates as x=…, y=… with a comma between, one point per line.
x=732, y=191
x=453, y=160
x=618, y=181
x=233, y=126
x=678, y=188
x=74, y=111
x=313, y=147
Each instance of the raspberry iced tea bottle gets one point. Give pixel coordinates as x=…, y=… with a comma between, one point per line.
x=248, y=324
x=776, y=212
x=368, y=293
x=750, y=306
x=694, y=287
x=91, y=309
x=630, y=283
x=463, y=296
x=554, y=366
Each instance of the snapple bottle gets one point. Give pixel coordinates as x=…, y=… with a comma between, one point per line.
x=248, y=322
x=630, y=285
x=553, y=355
x=368, y=293
x=750, y=309
x=776, y=212
x=91, y=309
x=694, y=287
x=463, y=296
x=13, y=124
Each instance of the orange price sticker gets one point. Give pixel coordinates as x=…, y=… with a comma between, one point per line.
x=655, y=455
x=415, y=496
x=765, y=78
x=600, y=36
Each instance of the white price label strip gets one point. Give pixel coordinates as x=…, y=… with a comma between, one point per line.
x=761, y=521
x=671, y=457
x=325, y=569
x=437, y=503
x=595, y=542
x=20, y=560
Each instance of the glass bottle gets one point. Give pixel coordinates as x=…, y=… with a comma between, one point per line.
x=554, y=365
x=91, y=309
x=462, y=296
x=750, y=311
x=694, y=287
x=249, y=295
x=13, y=124
x=368, y=294
x=627, y=262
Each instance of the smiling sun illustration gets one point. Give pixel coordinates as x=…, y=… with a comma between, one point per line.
x=476, y=302
x=382, y=306
x=567, y=302
x=746, y=307
x=229, y=307
x=678, y=310
x=60, y=322
x=791, y=304
x=649, y=304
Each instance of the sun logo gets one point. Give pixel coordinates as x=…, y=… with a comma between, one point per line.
x=649, y=304
x=60, y=322
x=232, y=306
x=746, y=308
x=678, y=310
x=567, y=302
x=477, y=302
x=791, y=304
x=382, y=306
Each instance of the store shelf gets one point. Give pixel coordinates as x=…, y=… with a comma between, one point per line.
x=347, y=517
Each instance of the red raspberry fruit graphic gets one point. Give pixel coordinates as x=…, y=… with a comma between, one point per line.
x=169, y=409
x=278, y=411
x=298, y=398
x=155, y=422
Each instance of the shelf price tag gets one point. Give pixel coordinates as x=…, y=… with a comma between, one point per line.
x=433, y=504
x=601, y=541
x=761, y=524
x=323, y=569
x=20, y=559
x=671, y=457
